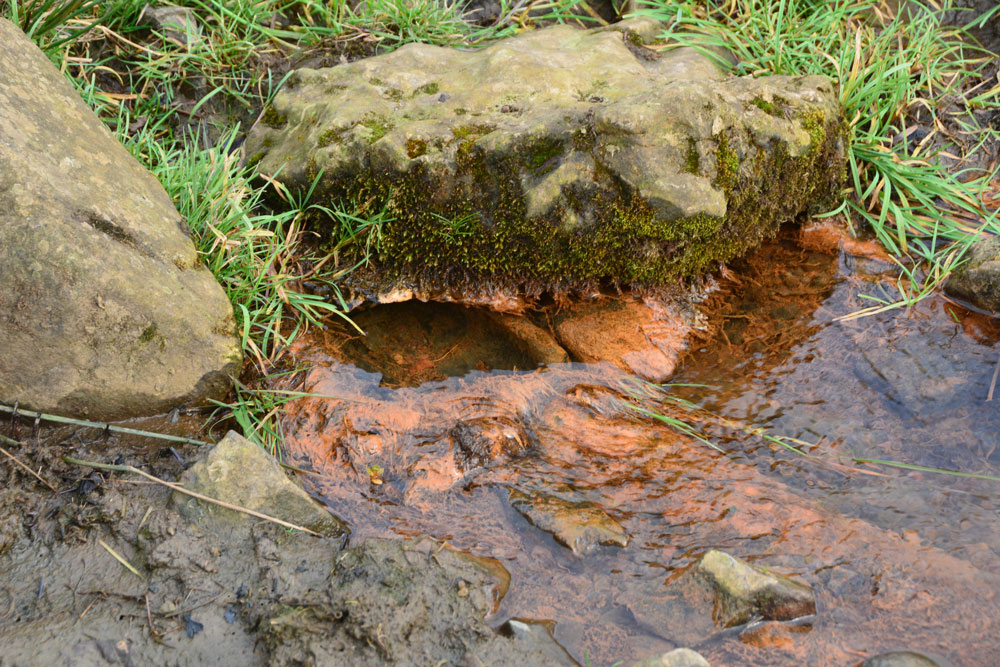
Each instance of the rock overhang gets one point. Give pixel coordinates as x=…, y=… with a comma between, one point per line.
x=556, y=158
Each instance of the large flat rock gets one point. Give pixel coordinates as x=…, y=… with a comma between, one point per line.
x=559, y=157
x=106, y=309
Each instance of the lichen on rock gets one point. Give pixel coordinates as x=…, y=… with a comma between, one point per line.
x=558, y=157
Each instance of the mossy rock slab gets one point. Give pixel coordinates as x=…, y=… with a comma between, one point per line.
x=106, y=309
x=559, y=157
x=240, y=473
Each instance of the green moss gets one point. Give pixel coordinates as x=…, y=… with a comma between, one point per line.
x=461, y=112
x=471, y=130
x=331, y=136
x=727, y=163
x=431, y=88
x=378, y=126
x=540, y=155
x=692, y=159
x=272, y=118
x=415, y=147
x=814, y=122
x=764, y=106
x=255, y=159
x=148, y=334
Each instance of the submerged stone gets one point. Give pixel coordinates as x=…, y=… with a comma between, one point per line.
x=679, y=657
x=743, y=591
x=580, y=526
x=559, y=157
x=106, y=309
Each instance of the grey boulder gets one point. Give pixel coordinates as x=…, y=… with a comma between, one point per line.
x=106, y=309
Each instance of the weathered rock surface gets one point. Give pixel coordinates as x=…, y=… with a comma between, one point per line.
x=106, y=310
x=239, y=472
x=580, y=526
x=743, y=591
x=978, y=280
x=558, y=157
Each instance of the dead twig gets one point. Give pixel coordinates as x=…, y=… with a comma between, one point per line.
x=13, y=458
x=180, y=489
x=101, y=425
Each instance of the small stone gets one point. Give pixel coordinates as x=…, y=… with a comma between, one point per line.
x=978, y=280
x=176, y=23
x=240, y=473
x=581, y=526
x=743, y=591
x=167, y=607
x=903, y=659
x=679, y=657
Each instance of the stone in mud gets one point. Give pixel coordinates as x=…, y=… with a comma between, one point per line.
x=642, y=337
x=239, y=472
x=978, y=280
x=106, y=309
x=580, y=526
x=177, y=23
x=743, y=591
x=903, y=659
x=521, y=643
x=558, y=157
x=679, y=657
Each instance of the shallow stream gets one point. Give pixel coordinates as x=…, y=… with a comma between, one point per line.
x=428, y=424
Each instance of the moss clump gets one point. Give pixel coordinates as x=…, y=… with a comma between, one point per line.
x=415, y=147
x=692, y=159
x=461, y=112
x=540, y=155
x=764, y=106
x=272, y=118
x=377, y=126
x=148, y=334
x=727, y=163
x=331, y=136
x=471, y=130
x=431, y=88
x=814, y=122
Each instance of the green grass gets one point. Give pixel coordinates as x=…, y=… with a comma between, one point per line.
x=888, y=69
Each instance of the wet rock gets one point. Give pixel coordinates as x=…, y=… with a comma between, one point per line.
x=643, y=337
x=239, y=472
x=581, y=526
x=903, y=659
x=481, y=442
x=106, y=309
x=679, y=657
x=177, y=23
x=743, y=591
x=556, y=157
x=533, y=340
x=978, y=280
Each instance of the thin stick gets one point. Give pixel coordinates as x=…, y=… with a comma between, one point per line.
x=119, y=558
x=101, y=425
x=993, y=385
x=18, y=462
x=181, y=489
